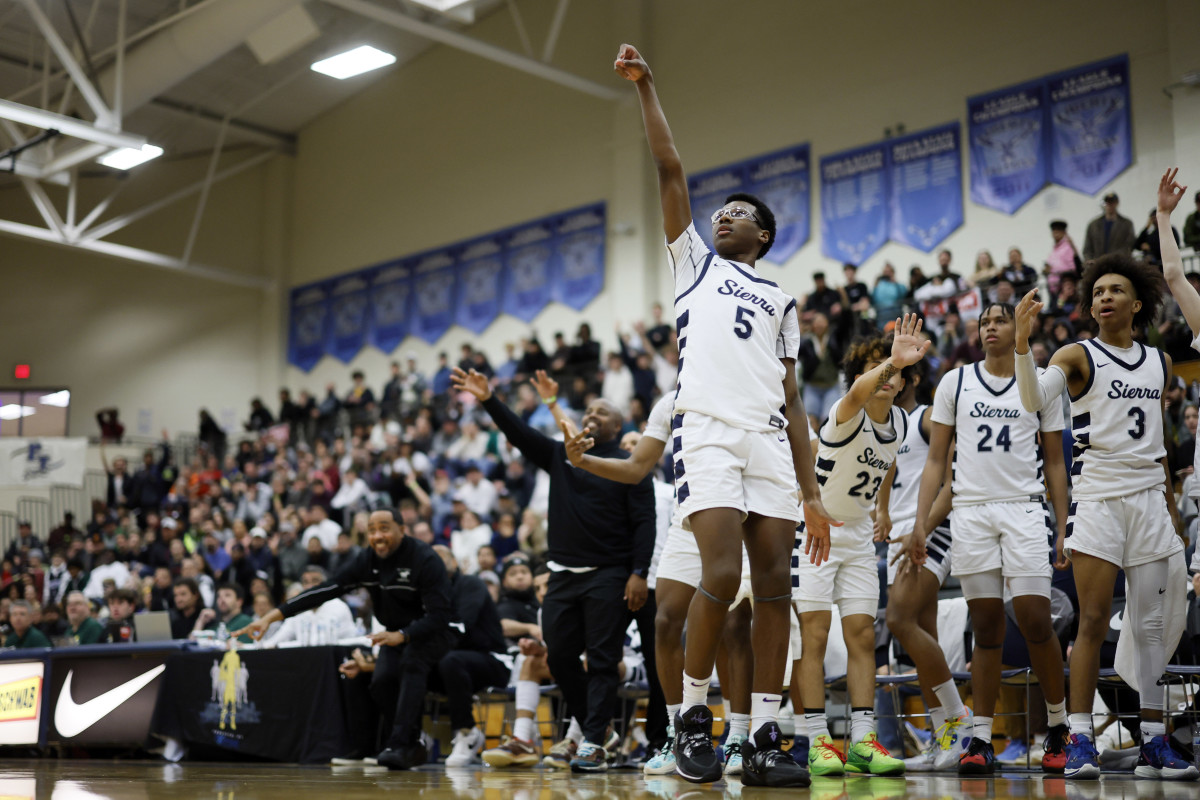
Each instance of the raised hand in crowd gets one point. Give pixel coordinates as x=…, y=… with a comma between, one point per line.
x=472, y=382
x=546, y=387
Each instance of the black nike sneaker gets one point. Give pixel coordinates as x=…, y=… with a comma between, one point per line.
x=695, y=757
x=765, y=763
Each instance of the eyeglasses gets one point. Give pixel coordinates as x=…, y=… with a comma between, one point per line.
x=734, y=212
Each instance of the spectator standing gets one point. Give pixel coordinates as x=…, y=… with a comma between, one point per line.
x=658, y=335
x=1148, y=243
x=888, y=296
x=820, y=355
x=1191, y=227
x=360, y=400
x=1063, y=260
x=986, y=270
x=617, y=387
x=823, y=299
x=1109, y=232
x=291, y=414
x=389, y=400
x=111, y=429
x=1022, y=276
x=261, y=417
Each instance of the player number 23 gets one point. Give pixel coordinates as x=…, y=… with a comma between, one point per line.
x=741, y=323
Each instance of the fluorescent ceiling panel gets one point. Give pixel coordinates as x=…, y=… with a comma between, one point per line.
x=354, y=62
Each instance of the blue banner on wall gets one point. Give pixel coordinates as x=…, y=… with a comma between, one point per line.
x=581, y=257
x=480, y=283
x=434, y=295
x=854, y=218
x=391, y=305
x=780, y=179
x=1007, y=134
x=349, y=312
x=1090, y=124
x=925, y=184
x=531, y=256
x=308, y=325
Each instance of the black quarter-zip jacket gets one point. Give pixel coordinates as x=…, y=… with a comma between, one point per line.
x=592, y=521
x=409, y=589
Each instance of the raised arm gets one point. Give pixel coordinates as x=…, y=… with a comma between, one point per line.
x=1068, y=367
x=547, y=389
x=535, y=446
x=907, y=348
x=672, y=182
x=622, y=470
x=1169, y=195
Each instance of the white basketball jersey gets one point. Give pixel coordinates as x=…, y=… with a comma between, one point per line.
x=733, y=328
x=997, y=457
x=910, y=463
x=1117, y=422
x=658, y=424
x=852, y=460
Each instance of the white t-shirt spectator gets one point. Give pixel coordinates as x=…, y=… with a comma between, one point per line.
x=378, y=441
x=465, y=545
x=466, y=448
x=254, y=507
x=326, y=531
x=95, y=585
x=350, y=493
x=479, y=497
x=330, y=622
x=617, y=388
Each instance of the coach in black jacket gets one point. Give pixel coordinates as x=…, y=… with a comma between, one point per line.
x=601, y=539
x=410, y=595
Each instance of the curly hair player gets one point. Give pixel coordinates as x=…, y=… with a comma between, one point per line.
x=858, y=444
x=1123, y=512
x=740, y=446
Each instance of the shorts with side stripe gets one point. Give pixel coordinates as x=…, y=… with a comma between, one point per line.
x=937, y=550
x=850, y=577
x=680, y=562
x=720, y=466
x=1126, y=531
x=1011, y=537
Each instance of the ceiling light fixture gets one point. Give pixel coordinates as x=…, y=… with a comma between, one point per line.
x=60, y=399
x=13, y=411
x=128, y=157
x=354, y=62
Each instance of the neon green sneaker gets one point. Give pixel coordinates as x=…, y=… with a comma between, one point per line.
x=824, y=758
x=869, y=757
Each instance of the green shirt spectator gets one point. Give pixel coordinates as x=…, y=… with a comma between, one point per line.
x=24, y=635
x=230, y=597
x=83, y=628
x=89, y=632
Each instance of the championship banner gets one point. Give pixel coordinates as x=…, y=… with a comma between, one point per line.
x=925, y=183
x=434, y=286
x=580, y=239
x=308, y=324
x=285, y=705
x=530, y=256
x=47, y=461
x=1090, y=124
x=1007, y=135
x=349, y=308
x=854, y=217
x=780, y=178
x=104, y=699
x=480, y=282
x=21, y=701
x=390, y=296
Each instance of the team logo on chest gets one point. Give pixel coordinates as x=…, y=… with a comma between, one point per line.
x=403, y=575
x=868, y=457
x=984, y=411
x=732, y=287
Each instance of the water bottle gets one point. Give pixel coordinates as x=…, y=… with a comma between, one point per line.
x=222, y=632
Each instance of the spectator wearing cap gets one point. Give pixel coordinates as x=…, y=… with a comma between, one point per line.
x=24, y=542
x=82, y=628
x=1108, y=233
x=188, y=605
x=24, y=635
x=329, y=622
x=518, y=606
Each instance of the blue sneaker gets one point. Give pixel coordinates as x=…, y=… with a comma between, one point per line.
x=799, y=751
x=1158, y=759
x=1083, y=761
x=733, y=754
x=1016, y=753
x=663, y=762
x=590, y=757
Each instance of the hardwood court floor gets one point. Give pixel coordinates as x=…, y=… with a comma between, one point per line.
x=92, y=780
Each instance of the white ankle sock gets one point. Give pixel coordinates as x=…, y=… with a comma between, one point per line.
x=695, y=692
x=764, y=708
x=983, y=728
x=525, y=729
x=817, y=723
x=1056, y=713
x=1081, y=725
x=672, y=710
x=862, y=722
x=947, y=695
x=1152, y=729
x=575, y=731
x=739, y=724
x=938, y=717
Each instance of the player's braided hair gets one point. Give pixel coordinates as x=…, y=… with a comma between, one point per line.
x=1147, y=283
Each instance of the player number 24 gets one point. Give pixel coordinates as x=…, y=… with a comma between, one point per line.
x=1002, y=439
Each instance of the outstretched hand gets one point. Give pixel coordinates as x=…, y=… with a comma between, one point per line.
x=576, y=443
x=630, y=65
x=544, y=384
x=471, y=382
x=1027, y=314
x=1169, y=191
x=907, y=346
x=816, y=525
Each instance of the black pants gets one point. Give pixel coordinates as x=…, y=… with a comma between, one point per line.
x=656, y=708
x=586, y=612
x=460, y=674
x=400, y=682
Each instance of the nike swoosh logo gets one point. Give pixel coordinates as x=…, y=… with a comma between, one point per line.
x=1160, y=591
x=1105, y=364
x=72, y=719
